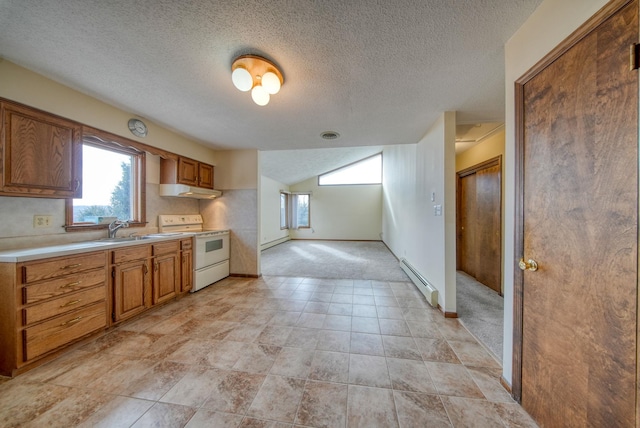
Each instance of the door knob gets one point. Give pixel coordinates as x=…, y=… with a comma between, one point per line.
x=530, y=264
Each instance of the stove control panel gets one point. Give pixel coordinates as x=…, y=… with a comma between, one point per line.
x=206, y=233
x=180, y=220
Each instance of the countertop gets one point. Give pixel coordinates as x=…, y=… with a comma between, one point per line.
x=28, y=254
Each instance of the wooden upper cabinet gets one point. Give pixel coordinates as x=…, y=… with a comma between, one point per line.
x=41, y=153
x=205, y=175
x=186, y=171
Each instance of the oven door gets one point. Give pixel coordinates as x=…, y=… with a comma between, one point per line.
x=211, y=250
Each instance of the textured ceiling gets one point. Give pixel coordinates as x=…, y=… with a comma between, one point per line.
x=376, y=72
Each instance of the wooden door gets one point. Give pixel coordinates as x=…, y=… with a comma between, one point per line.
x=579, y=203
x=488, y=229
x=466, y=224
x=479, y=214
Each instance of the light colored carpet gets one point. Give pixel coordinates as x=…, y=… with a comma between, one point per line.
x=481, y=310
x=332, y=259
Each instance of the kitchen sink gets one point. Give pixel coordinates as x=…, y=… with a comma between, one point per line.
x=123, y=239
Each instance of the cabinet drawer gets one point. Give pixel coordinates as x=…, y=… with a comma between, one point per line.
x=61, y=286
x=186, y=244
x=32, y=272
x=128, y=254
x=62, y=305
x=52, y=334
x=166, y=247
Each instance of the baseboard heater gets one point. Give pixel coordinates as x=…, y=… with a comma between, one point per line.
x=423, y=285
x=274, y=243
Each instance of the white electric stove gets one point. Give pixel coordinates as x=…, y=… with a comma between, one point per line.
x=211, y=247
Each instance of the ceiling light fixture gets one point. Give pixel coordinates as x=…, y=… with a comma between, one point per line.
x=258, y=75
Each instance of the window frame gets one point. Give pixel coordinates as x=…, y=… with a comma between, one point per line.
x=353, y=163
x=296, y=194
x=286, y=210
x=108, y=141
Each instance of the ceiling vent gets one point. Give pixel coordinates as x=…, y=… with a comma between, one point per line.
x=330, y=135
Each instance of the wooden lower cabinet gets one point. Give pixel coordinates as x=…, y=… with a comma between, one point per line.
x=165, y=278
x=166, y=271
x=186, y=268
x=55, y=333
x=49, y=304
x=130, y=286
x=143, y=276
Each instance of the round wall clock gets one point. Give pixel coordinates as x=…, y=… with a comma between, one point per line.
x=138, y=127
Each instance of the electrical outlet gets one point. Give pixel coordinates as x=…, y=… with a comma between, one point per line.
x=40, y=221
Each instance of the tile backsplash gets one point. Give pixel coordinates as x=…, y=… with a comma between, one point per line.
x=17, y=231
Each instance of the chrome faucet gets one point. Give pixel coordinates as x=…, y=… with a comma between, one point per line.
x=115, y=225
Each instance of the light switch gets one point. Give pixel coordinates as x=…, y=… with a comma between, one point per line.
x=437, y=210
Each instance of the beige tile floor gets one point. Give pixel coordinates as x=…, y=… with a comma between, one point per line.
x=273, y=352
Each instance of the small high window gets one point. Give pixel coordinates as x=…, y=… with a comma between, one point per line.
x=365, y=171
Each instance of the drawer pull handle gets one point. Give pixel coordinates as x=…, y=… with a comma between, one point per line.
x=71, y=266
x=71, y=284
x=70, y=322
x=71, y=303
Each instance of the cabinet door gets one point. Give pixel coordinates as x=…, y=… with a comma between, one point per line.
x=129, y=289
x=187, y=171
x=205, y=175
x=42, y=154
x=186, y=282
x=166, y=277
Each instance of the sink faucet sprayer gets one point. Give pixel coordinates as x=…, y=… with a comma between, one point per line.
x=115, y=225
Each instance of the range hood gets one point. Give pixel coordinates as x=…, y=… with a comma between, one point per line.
x=184, y=191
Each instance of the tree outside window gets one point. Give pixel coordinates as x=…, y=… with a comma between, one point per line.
x=111, y=184
x=120, y=201
x=300, y=211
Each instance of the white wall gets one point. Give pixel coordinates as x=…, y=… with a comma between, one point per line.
x=411, y=175
x=238, y=209
x=236, y=169
x=270, y=211
x=32, y=89
x=549, y=25
x=489, y=148
x=341, y=212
